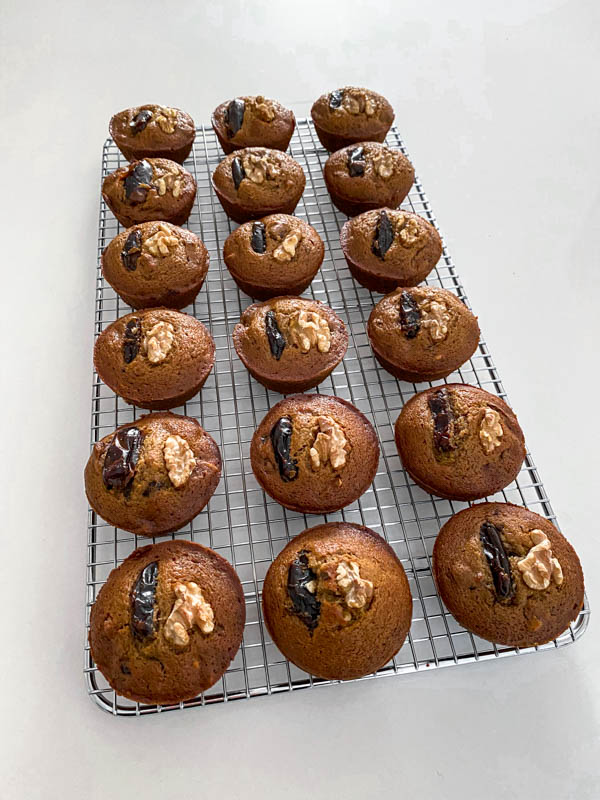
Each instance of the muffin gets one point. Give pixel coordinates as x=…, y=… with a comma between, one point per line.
x=253, y=121
x=167, y=623
x=155, y=358
x=367, y=175
x=387, y=248
x=314, y=453
x=422, y=334
x=507, y=574
x=459, y=442
x=153, y=131
x=152, y=189
x=290, y=344
x=154, y=475
x=156, y=264
x=349, y=115
x=336, y=601
x=255, y=182
x=277, y=255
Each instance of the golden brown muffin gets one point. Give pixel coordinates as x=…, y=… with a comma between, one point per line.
x=459, y=442
x=152, y=189
x=314, y=453
x=387, y=248
x=337, y=602
x=290, y=344
x=422, y=334
x=156, y=264
x=154, y=475
x=507, y=574
x=367, y=175
x=167, y=623
x=253, y=121
x=349, y=115
x=155, y=358
x=255, y=182
x=153, y=131
x=277, y=255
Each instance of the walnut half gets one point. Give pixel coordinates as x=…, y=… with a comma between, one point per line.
x=190, y=609
x=161, y=241
x=329, y=445
x=158, y=341
x=179, y=460
x=308, y=329
x=434, y=318
x=490, y=430
x=357, y=591
x=539, y=567
x=383, y=162
x=166, y=119
x=259, y=168
x=286, y=251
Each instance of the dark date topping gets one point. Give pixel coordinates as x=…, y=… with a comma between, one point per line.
x=132, y=250
x=281, y=439
x=137, y=181
x=384, y=236
x=305, y=603
x=139, y=122
x=132, y=338
x=274, y=335
x=497, y=558
x=441, y=411
x=410, y=316
x=238, y=173
x=335, y=99
x=356, y=162
x=121, y=458
x=234, y=116
x=259, y=237
x=143, y=602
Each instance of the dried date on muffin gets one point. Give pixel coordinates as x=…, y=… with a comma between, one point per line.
x=422, y=334
x=314, y=453
x=386, y=248
x=349, y=115
x=151, y=189
x=277, y=255
x=167, y=623
x=253, y=121
x=154, y=475
x=156, y=264
x=507, y=574
x=153, y=131
x=256, y=181
x=460, y=442
x=155, y=358
x=290, y=344
x=336, y=601
x=367, y=175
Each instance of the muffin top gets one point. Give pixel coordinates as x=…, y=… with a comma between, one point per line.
x=152, y=127
x=460, y=441
x=290, y=337
x=258, y=176
x=153, y=354
x=269, y=250
x=422, y=329
x=152, y=184
x=152, y=258
x=368, y=169
x=167, y=622
x=507, y=574
x=337, y=601
x=352, y=110
x=314, y=452
x=253, y=121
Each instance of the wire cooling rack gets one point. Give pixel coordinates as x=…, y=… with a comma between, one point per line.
x=241, y=522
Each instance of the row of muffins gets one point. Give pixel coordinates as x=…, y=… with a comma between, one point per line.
x=336, y=600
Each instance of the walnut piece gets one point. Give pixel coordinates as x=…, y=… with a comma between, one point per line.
x=357, y=591
x=170, y=181
x=160, y=242
x=308, y=329
x=259, y=168
x=190, y=609
x=434, y=318
x=158, y=341
x=179, y=459
x=262, y=108
x=490, y=430
x=539, y=567
x=286, y=251
x=329, y=445
x=358, y=103
x=383, y=163
x=408, y=230
x=166, y=118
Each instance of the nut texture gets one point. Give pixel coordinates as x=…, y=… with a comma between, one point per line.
x=490, y=430
x=179, y=459
x=539, y=566
x=158, y=341
x=330, y=445
x=190, y=609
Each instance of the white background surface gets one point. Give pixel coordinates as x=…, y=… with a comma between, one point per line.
x=498, y=104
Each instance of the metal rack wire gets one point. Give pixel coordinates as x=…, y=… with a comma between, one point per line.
x=241, y=522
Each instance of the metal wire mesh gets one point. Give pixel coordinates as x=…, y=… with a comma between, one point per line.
x=241, y=522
